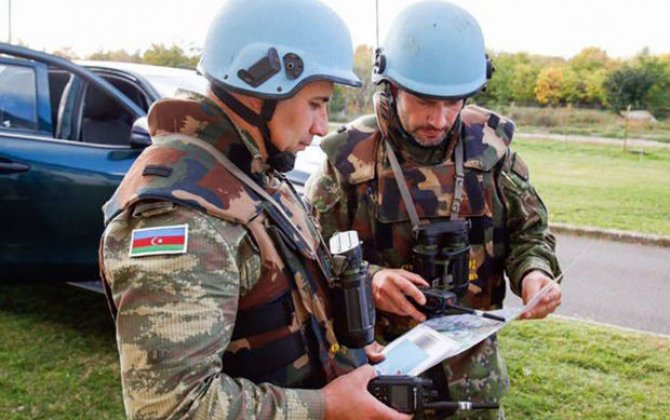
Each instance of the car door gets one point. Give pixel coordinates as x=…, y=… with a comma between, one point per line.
x=53, y=182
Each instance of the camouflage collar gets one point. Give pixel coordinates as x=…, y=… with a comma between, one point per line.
x=409, y=149
x=356, y=147
x=191, y=114
x=486, y=136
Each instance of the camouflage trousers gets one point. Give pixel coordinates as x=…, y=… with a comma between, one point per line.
x=477, y=375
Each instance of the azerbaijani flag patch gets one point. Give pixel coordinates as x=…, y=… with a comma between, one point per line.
x=159, y=241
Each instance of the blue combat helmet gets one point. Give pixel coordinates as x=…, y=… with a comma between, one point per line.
x=271, y=48
x=434, y=49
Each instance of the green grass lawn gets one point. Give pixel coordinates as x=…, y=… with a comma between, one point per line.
x=573, y=370
x=600, y=186
x=58, y=357
x=58, y=361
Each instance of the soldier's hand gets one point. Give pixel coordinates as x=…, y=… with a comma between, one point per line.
x=347, y=397
x=390, y=288
x=373, y=351
x=530, y=285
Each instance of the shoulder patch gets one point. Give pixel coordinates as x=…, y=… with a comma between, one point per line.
x=163, y=240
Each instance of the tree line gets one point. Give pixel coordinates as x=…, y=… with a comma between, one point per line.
x=590, y=79
x=175, y=55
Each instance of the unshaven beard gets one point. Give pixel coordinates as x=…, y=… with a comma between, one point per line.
x=428, y=143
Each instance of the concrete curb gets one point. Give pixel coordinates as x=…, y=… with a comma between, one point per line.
x=613, y=326
x=612, y=235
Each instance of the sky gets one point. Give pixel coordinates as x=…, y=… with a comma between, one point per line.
x=555, y=28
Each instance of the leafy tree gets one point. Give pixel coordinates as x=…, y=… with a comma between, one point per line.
x=522, y=84
x=548, y=89
x=498, y=89
x=514, y=79
x=589, y=59
x=118, y=55
x=628, y=85
x=658, y=96
x=583, y=77
x=173, y=56
x=65, y=52
x=594, y=87
x=573, y=88
x=337, y=103
x=359, y=101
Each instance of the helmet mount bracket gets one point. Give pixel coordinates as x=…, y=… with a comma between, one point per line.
x=293, y=65
x=262, y=70
x=380, y=62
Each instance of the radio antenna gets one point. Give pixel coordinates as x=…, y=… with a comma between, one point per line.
x=377, y=23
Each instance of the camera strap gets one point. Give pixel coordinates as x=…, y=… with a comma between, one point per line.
x=404, y=190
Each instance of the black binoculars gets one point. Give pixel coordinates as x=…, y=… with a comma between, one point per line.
x=441, y=255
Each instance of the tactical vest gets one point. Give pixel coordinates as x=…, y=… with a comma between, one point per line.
x=283, y=330
x=377, y=211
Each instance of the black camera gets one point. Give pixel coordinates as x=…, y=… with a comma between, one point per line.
x=354, y=314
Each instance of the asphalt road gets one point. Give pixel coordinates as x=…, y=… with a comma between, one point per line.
x=622, y=284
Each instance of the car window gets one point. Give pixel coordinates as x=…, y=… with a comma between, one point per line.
x=104, y=121
x=131, y=90
x=18, y=97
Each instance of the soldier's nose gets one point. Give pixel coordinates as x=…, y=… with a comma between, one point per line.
x=438, y=117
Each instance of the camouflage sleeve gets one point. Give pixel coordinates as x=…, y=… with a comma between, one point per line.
x=325, y=193
x=175, y=319
x=326, y=196
x=531, y=244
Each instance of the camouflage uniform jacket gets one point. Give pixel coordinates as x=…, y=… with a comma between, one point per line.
x=356, y=189
x=238, y=324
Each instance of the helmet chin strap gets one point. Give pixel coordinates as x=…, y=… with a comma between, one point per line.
x=278, y=160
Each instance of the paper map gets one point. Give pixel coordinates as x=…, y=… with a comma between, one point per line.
x=437, y=339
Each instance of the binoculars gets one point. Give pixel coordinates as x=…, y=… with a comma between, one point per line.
x=441, y=255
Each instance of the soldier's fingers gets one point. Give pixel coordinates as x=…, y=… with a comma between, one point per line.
x=405, y=307
x=414, y=278
x=554, y=304
x=553, y=294
x=525, y=315
x=383, y=411
x=364, y=374
x=411, y=290
x=374, y=352
x=541, y=311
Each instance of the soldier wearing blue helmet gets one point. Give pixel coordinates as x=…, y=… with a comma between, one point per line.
x=215, y=272
x=425, y=161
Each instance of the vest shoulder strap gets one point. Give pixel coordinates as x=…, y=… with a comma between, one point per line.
x=352, y=150
x=160, y=174
x=486, y=135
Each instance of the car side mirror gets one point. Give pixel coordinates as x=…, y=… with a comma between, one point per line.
x=139, y=134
